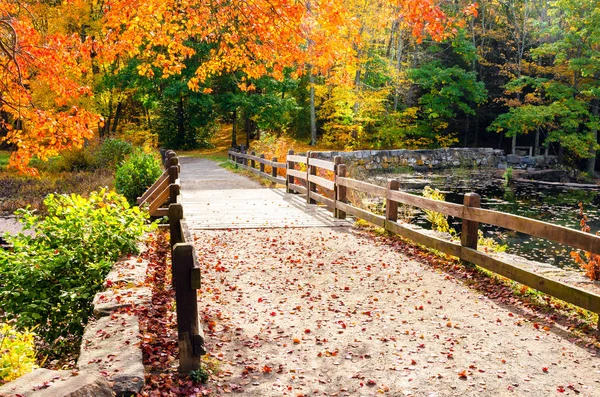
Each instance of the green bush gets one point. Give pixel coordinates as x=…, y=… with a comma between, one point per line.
x=112, y=152
x=137, y=174
x=48, y=281
x=17, y=353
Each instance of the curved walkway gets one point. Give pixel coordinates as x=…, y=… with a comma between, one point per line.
x=340, y=312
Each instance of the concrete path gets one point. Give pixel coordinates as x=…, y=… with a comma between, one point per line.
x=215, y=198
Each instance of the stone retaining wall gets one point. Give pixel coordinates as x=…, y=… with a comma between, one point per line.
x=383, y=160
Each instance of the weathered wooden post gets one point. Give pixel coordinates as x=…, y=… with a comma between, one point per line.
x=262, y=165
x=468, y=235
x=337, y=160
x=175, y=217
x=289, y=180
x=169, y=154
x=188, y=336
x=252, y=163
x=341, y=192
x=273, y=168
x=173, y=172
x=310, y=170
x=174, y=190
x=391, y=207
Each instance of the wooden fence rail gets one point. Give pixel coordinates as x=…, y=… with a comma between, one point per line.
x=305, y=181
x=184, y=262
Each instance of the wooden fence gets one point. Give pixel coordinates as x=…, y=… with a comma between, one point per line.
x=306, y=181
x=184, y=262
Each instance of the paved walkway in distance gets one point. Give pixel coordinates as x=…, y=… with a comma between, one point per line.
x=215, y=198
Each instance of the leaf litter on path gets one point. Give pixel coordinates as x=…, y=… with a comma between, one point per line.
x=337, y=312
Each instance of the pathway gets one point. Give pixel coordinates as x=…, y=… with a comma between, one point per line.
x=214, y=198
x=297, y=311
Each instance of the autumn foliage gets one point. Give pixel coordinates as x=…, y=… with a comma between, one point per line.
x=51, y=54
x=42, y=92
x=589, y=262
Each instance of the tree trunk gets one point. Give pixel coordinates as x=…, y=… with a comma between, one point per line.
x=248, y=128
x=313, y=114
x=117, y=117
x=536, y=148
x=513, y=145
x=234, y=129
x=180, y=123
x=591, y=162
x=399, y=51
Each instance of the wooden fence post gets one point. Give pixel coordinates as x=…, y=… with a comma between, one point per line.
x=391, y=207
x=175, y=217
x=262, y=165
x=341, y=192
x=273, y=168
x=468, y=235
x=173, y=173
x=310, y=170
x=169, y=154
x=244, y=160
x=187, y=308
x=289, y=180
x=252, y=164
x=174, y=190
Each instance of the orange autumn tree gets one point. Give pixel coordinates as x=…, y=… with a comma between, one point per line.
x=255, y=37
x=41, y=89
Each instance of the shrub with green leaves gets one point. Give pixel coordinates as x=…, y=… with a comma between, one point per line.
x=112, y=152
x=17, y=353
x=137, y=174
x=49, y=280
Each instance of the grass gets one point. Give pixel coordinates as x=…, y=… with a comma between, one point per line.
x=18, y=191
x=4, y=156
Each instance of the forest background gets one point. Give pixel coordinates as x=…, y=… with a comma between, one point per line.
x=341, y=74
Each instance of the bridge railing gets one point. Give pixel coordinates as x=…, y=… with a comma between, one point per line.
x=249, y=161
x=185, y=268
x=161, y=193
x=306, y=181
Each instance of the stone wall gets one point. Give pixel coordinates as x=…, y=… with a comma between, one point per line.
x=382, y=160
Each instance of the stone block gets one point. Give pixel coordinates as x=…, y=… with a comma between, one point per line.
x=513, y=159
x=106, y=302
x=131, y=272
x=111, y=346
x=47, y=383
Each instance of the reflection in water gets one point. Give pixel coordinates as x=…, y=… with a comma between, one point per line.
x=553, y=205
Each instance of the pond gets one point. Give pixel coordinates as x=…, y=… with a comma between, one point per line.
x=553, y=205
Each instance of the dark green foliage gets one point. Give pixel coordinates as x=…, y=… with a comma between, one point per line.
x=137, y=174
x=199, y=375
x=112, y=152
x=48, y=281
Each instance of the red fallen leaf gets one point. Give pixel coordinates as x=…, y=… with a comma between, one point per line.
x=273, y=314
x=560, y=389
x=266, y=369
x=346, y=288
x=307, y=331
x=413, y=362
x=545, y=369
x=536, y=326
x=510, y=315
x=462, y=374
x=371, y=382
x=260, y=300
